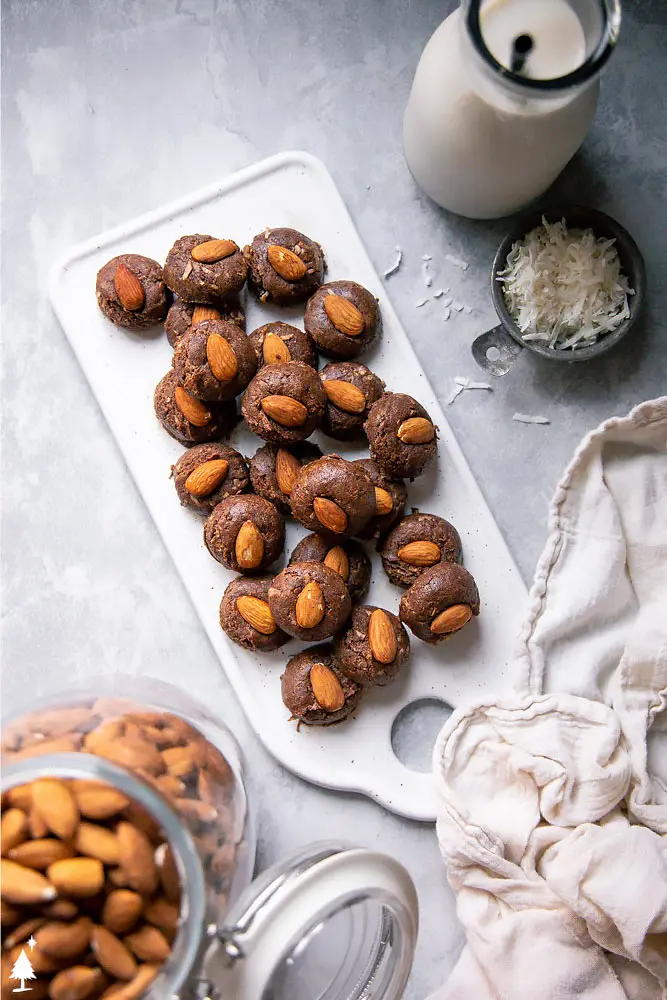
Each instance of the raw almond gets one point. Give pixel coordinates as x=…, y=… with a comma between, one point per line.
x=122, y=908
x=288, y=468
x=221, y=358
x=212, y=251
x=61, y=909
x=129, y=289
x=149, y=944
x=451, y=619
x=344, y=315
x=416, y=430
x=13, y=829
x=326, y=688
x=249, y=546
x=20, y=797
x=383, y=502
x=194, y=411
x=286, y=263
x=136, y=859
x=133, y=752
x=78, y=877
x=256, y=613
x=162, y=914
x=420, y=553
x=330, y=515
x=274, y=350
x=22, y=932
x=57, y=806
x=97, y=800
x=9, y=915
x=36, y=824
x=40, y=853
x=201, y=313
x=170, y=785
x=206, y=478
x=193, y=809
x=285, y=410
x=381, y=637
x=337, y=560
x=77, y=983
x=23, y=885
x=114, y=956
x=136, y=987
x=344, y=395
x=64, y=940
x=169, y=879
x=139, y=817
x=181, y=761
x=310, y=606
x=97, y=842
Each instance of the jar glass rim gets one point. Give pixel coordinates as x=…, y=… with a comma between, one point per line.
x=191, y=930
x=589, y=69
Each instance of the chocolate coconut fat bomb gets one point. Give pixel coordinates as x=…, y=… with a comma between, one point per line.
x=245, y=533
x=204, y=269
x=343, y=318
x=373, y=648
x=284, y=266
x=246, y=617
x=401, y=436
x=278, y=342
x=131, y=291
x=188, y=419
x=441, y=601
x=333, y=497
x=309, y=601
x=208, y=473
x=417, y=542
x=214, y=360
x=315, y=691
x=284, y=402
x=351, y=389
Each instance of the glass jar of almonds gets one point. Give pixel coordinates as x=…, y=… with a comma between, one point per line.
x=127, y=855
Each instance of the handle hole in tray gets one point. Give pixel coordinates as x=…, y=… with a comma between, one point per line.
x=415, y=729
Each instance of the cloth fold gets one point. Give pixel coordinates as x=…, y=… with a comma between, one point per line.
x=553, y=802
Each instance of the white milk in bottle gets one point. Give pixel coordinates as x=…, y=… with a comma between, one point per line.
x=503, y=97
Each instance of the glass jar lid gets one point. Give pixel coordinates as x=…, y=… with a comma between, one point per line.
x=334, y=922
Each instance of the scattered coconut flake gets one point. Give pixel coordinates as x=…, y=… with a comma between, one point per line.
x=467, y=310
x=428, y=280
x=426, y=256
x=397, y=263
x=525, y=418
x=447, y=313
x=564, y=287
x=448, y=301
x=463, y=383
x=438, y=293
x=457, y=261
x=421, y=303
x=458, y=306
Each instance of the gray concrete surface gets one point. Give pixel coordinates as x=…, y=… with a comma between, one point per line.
x=110, y=109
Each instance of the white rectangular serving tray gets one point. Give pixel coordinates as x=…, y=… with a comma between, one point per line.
x=295, y=189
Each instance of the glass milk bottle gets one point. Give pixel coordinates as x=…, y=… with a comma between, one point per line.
x=503, y=97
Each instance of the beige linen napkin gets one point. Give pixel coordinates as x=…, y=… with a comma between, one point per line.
x=553, y=803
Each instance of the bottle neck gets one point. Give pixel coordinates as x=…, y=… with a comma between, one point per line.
x=190, y=938
x=515, y=91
